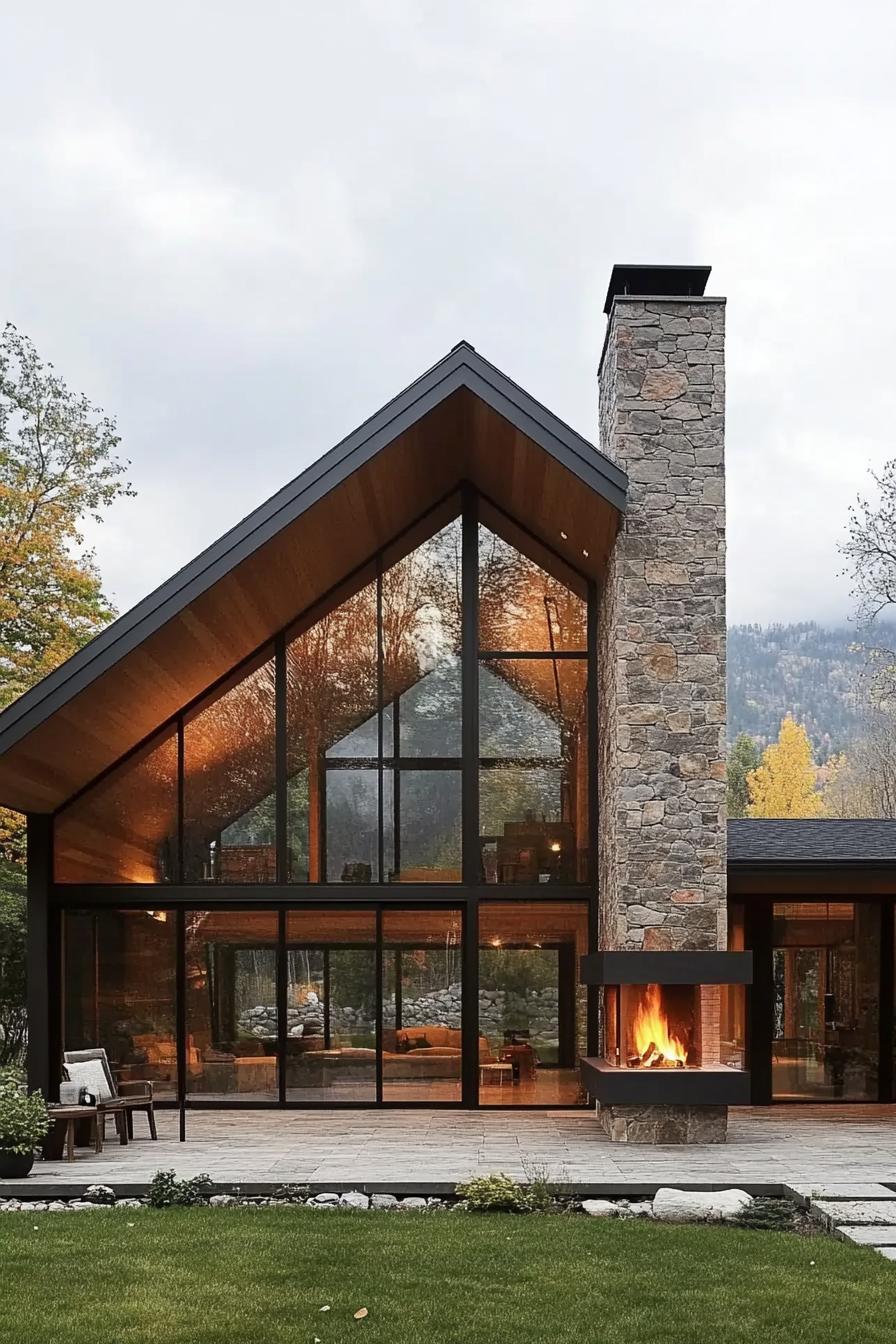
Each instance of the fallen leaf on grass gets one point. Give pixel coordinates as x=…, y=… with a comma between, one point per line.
x=360, y=1313
x=323, y=1308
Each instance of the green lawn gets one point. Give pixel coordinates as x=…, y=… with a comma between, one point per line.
x=204, y=1275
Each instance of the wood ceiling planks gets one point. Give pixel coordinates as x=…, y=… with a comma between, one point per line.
x=462, y=438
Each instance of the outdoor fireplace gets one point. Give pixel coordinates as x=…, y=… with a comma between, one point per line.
x=672, y=1031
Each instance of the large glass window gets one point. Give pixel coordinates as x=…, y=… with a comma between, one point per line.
x=331, y=1006
x=231, y=1004
x=826, y=969
x=229, y=783
x=532, y=1009
x=124, y=829
x=331, y=721
x=359, y=717
x=119, y=991
x=422, y=1002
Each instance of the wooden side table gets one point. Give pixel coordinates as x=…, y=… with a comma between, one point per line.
x=60, y=1142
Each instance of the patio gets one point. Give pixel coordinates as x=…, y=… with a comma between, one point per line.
x=406, y=1152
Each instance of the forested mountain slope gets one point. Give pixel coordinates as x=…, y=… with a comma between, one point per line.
x=805, y=670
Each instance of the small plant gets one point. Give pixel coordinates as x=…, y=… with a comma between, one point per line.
x=497, y=1193
x=542, y=1188
x=770, y=1215
x=295, y=1194
x=166, y=1191
x=23, y=1115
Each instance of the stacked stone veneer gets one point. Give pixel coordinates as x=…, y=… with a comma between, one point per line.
x=662, y=629
x=499, y=1011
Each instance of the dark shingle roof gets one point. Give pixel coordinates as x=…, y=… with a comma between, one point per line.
x=834, y=841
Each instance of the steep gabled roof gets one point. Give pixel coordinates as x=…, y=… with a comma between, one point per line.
x=462, y=420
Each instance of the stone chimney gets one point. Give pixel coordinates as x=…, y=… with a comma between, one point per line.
x=662, y=617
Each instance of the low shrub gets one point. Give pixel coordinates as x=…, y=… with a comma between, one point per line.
x=496, y=1194
x=770, y=1215
x=166, y=1191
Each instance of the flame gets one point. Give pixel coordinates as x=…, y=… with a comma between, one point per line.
x=653, y=1040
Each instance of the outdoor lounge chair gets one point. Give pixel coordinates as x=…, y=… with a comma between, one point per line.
x=134, y=1095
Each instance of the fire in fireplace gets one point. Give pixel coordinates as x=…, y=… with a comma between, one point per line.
x=672, y=1027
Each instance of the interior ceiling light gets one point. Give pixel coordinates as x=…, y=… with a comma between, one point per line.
x=585, y=553
x=564, y=536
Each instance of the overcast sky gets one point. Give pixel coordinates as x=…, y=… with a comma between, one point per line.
x=241, y=228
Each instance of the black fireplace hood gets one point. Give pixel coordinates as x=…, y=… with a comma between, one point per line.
x=667, y=968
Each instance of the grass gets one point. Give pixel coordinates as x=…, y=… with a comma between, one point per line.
x=262, y=1275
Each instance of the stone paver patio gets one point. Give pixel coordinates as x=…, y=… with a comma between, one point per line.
x=400, y=1151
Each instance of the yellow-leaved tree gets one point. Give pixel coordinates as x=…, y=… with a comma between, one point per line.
x=783, y=784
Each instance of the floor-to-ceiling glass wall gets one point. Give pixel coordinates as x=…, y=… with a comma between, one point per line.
x=532, y=1009
x=230, y=1001
x=331, y=1007
x=119, y=979
x=422, y=1005
x=427, y=725
x=826, y=1000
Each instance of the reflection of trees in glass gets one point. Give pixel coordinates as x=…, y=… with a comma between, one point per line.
x=521, y=606
x=421, y=645
x=229, y=767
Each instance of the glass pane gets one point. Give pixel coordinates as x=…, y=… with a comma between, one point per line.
x=826, y=969
x=531, y=707
x=532, y=1009
x=352, y=820
x=229, y=777
x=331, y=696
x=421, y=648
x=231, y=1004
x=422, y=1005
x=119, y=992
x=532, y=824
x=331, y=1005
x=124, y=829
x=427, y=804
x=521, y=606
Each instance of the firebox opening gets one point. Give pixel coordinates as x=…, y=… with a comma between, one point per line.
x=656, y=1026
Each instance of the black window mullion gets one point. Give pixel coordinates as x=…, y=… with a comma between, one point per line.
x=378, y=1002
x=380, y=689
x=282, y=973
x=180, y=799
x=180, y=1009
x=281, y=785
x=471, y=861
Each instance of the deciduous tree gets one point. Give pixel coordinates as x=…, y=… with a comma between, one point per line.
x=783, y=785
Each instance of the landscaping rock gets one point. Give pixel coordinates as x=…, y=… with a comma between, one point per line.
x=354, y=1199
x=412, y=1202
x=383, y=1202
x=601, y=1208
x=641, y=1208
x=327, y=1197
x=675, y=1206
x=80, y=1205
x=129, y=1204
x=222, y=1201
x=57, y=1206
x=99, y=1194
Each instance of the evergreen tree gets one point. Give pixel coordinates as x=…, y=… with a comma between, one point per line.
x=742, y=759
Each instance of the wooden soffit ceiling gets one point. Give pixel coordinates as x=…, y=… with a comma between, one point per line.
x=462, y=421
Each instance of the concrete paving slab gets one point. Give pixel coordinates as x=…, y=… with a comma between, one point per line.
x=856, y=1212
x=841, y=1190
x=869, y=1236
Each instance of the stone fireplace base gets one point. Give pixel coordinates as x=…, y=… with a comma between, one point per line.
x=664, y=1124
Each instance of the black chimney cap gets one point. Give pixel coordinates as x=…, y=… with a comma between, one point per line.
x=657, y=281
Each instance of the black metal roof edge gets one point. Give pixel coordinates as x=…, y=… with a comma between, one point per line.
x=463, y=366
x=692, y=279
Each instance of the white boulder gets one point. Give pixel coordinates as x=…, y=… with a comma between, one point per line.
x=702, y=1206
x=600, y=1208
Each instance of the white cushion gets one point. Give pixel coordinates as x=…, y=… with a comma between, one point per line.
x=90, y=1073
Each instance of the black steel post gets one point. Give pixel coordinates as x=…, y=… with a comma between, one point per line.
x=38, y=972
